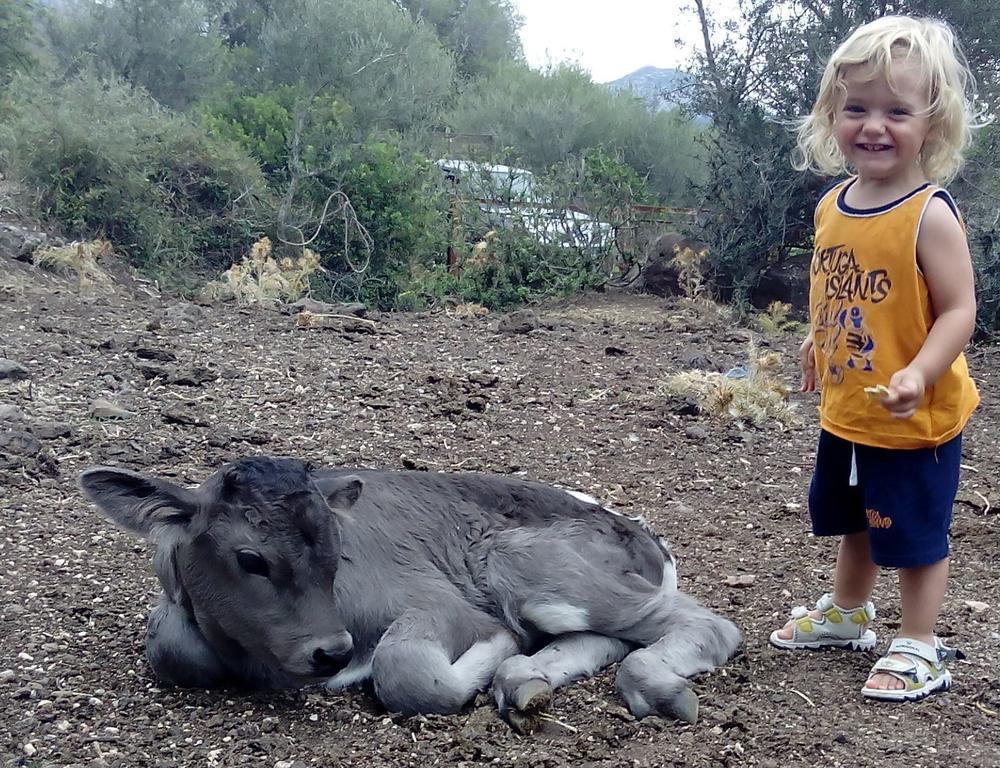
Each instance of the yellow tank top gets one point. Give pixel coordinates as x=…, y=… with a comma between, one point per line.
x=871, y=312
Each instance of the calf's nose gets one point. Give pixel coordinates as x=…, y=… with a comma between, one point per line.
x=331, y=654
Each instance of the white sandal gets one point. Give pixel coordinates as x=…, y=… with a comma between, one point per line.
x=922, y=673
x=838, y=627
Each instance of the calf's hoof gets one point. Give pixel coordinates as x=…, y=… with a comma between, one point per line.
x=683, y=705
x=522, y=704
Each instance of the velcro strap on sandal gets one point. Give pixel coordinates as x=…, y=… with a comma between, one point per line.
x=915, y=648
x=886, y=664
x=867, y=615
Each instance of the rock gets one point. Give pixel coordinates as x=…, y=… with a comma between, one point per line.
x=476, y=403
x=19, y=242
x=11, y=415
x=194, y=376
x=695, y=432
x=683, y=405
x=104, y=409
x=787, y=282
x=741, y=580
x=50, y=430
x=184, y=313
x=698, y=360
x=322, y=308
x=12, y=371
x=334, y=322
x=148, y=353
x=182, y=413
x=522, y=321
x=976, y=606
x=19, y=443
x=659, y=275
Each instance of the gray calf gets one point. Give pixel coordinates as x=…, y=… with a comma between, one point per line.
x=430, y=585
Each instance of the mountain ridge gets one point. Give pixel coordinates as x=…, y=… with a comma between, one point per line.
x=661, y=88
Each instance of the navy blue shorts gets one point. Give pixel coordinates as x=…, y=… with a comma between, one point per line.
x=903, y=498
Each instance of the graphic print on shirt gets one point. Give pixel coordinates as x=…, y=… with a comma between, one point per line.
x=840, y=331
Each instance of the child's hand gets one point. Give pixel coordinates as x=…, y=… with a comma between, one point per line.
x=807, y=362
x=906, y=390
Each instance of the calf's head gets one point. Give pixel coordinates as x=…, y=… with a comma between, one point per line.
x=247, y=560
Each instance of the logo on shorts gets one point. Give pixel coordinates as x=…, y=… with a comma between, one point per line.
x=875, y=520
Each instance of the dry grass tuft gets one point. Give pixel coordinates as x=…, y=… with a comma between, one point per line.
x=80, y=259
x=262, y=279
x=776, y=319
x=467, y=309
x=755, y=395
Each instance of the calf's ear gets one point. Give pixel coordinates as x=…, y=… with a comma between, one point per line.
x=138, y=503
x=341, y=492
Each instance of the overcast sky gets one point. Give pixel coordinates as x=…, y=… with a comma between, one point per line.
x=610, y=37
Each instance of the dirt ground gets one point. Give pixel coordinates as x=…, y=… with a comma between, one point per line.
x=573, y=401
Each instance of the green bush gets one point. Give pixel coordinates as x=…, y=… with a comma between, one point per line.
x=264, y=124
x=101, y=158
x=977, y=191
x=398, y=200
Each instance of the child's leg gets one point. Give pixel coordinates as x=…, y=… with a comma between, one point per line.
x=853, y=579
x=922, y=593
x=912, y=506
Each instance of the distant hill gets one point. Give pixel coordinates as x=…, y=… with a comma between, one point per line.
x=661, y=89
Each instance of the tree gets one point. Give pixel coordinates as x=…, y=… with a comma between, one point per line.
x=16, y=37
x=392, y=72
x=545, y=117
x=171, y=48
x=481, y=33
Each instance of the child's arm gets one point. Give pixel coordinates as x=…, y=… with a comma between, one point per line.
x=943, y=257
x=807, y=362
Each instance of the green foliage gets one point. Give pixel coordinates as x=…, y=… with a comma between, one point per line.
x=171, y=48
x=481, y=34
x=523, y=270
x=756, y=210
x=370, y=54
x=397, y=201
x=102, y=158
x=515, y=269
x=978, y=193
x=17, y=35
x=264, y=125
x=548, y=116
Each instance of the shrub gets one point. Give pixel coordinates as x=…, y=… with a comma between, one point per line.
x=101, y=158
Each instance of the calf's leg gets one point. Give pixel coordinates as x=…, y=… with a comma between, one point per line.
x=523, y=685
x=178, y=652
x=437, y=660
x=653, y=680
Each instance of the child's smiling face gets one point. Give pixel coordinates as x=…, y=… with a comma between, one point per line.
x=881, y=128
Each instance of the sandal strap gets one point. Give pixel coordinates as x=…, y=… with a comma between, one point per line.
x=921, y=664
x=910, y=647
x=825, y=603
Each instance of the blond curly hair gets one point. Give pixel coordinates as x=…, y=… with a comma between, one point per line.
x=928, y=43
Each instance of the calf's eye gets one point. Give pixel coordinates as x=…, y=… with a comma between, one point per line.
x=253, y=563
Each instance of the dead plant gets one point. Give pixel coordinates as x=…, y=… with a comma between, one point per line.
x=260, y=278
x=80, y=259
x=688, y=263
x=751, y=394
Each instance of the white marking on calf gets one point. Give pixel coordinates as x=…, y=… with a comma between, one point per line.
x=586, y=498
x=476, y=666
x=556, y=618
x=351, y=675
